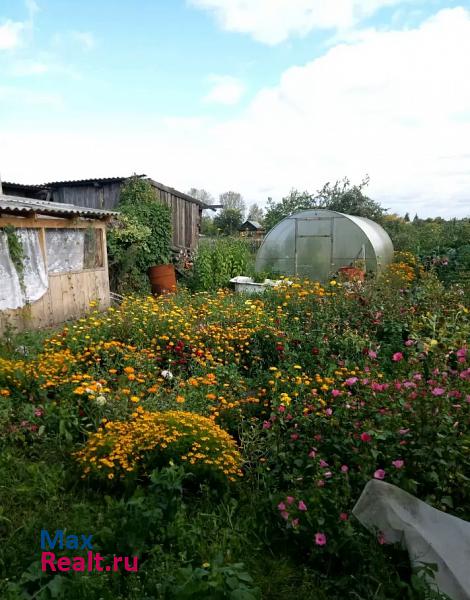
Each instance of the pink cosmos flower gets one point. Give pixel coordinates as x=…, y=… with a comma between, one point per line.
x=398, y=464
x=329, y=412
x=397, y=357
x=438, y=391
x=381, y=538
x=323, y=463
x=281, y=506
x=266, y=424
x=462, y=352
x=344, y=468
x=372, y=354
x=365, y=437
x=335, y=393
x=302, y=505
x=351, y=381
x=409, y=343
x=343, y=516
x=290, y=499
x=328, y=474
x=403, y=431
x=320, y=539
x=379, y=474
x=285, y=515
x=282, y=408
x=294, y=436
x=295, y=523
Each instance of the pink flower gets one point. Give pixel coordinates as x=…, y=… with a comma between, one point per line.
x=343, y=516
x=328, y=474
x=397, y=357
x=335, y=393
x=282, y=408
x=379, y=474
x=409, y=343
x=381, y=538
x=372, y=354
x=266, y=424
x=438, y=391
x=295, y=523
x=285, y=515
x=398, y=464
x=351, y=381
x=329, y=412
x=462, y=352
x=344, y=468
x=302, y=505
x=38, y=412
x=281, y=506
x=403, y=431
x=365, y=437
x=294, y=436
x=320, y=539
x=312, y=454
x=323, y=463
x=320, y=483
x=290, y=499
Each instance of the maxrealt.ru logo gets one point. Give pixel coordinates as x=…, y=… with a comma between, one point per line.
x=92, y=561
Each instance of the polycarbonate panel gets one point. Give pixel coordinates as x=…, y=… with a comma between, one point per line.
x=316, y=243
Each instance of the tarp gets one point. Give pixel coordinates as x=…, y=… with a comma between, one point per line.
x=430, y=535
x=35, y=283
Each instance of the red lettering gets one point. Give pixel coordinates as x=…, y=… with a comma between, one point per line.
x=126, y=563
x=47, y=558
x=117, y=560
x=63, y=564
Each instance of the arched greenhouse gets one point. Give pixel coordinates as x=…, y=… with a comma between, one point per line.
x=317, y=243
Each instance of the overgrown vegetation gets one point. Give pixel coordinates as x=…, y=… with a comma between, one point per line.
x=218, y=260
x=315, y=389
x=140, y=238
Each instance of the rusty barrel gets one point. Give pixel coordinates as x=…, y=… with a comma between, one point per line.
x=162, y=279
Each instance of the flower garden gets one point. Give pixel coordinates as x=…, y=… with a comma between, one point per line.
x=225, y=439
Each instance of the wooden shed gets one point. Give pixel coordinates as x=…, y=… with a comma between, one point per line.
x=104, y=193
x=251, y=229
x=53, y=262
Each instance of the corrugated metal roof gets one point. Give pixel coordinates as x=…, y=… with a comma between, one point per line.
x=92, y=181
x=15, y=205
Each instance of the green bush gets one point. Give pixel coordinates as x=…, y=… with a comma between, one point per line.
x=218, y=261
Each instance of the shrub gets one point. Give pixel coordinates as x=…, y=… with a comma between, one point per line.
x=153, y=439
x=218, y=261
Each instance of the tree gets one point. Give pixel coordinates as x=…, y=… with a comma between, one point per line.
x=342, y=196
x=407, y=218
x=208, y=227
x=228, y=221
x=201, y=195
x=255, y=213
x=233, y=200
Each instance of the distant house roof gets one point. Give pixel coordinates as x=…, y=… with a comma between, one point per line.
x=25, y=207
x=99, y=181
x=253, y=225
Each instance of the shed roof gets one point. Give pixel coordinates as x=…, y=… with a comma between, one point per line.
x=15, y=205
x=98, y=181
x=254, y=224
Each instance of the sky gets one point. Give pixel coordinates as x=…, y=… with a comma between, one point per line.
x=255, y=96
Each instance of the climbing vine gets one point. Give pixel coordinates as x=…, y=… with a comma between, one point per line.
x=15, y=248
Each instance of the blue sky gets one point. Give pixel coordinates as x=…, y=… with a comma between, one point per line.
x=259, y=97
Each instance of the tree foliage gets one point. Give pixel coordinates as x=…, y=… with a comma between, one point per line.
x=228, y=221
x=255, y=213
x=233, y=201
x=341, y=196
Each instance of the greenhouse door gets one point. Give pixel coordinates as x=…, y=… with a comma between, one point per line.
x=313, y=247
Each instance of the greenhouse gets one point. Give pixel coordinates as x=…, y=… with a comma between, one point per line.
x=318, y=243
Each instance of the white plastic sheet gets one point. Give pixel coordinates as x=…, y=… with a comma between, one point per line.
x=65, y=250
x=429, y=535
x=12, y=293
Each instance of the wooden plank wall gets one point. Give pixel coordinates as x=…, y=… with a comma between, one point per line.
x=68, y=297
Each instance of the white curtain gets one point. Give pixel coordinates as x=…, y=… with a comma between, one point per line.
x=12, y=293
x=65, y=250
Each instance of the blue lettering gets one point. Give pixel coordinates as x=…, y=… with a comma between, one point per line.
x=46, y=539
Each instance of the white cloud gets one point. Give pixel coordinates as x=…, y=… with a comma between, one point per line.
x=84, y=38
x=16, y=96
x=23, y=68
x=10, y=34
x=394, y=105
x=226, y=90
x=273, y=21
